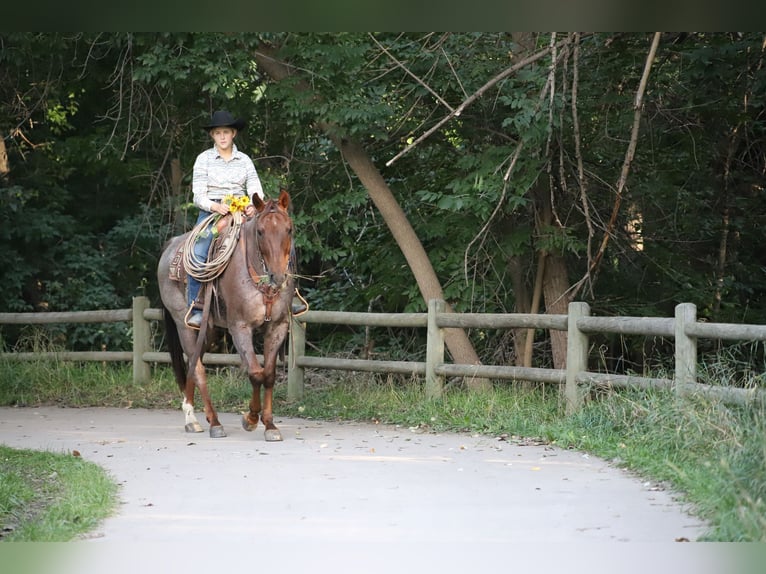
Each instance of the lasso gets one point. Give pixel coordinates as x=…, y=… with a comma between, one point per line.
x=214, y=266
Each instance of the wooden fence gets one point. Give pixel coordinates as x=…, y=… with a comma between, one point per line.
x=575, y=379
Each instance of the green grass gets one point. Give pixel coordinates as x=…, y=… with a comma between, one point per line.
x=712, y=454
x=51, y=497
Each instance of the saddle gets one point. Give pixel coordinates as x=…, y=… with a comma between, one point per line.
x=177, y=272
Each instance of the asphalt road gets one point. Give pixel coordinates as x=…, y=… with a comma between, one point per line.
x=347, y=487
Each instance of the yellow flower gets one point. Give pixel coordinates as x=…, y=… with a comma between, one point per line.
x=237, y=203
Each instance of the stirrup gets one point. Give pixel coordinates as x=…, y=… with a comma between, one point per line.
x=298, y=308
x=190, y=319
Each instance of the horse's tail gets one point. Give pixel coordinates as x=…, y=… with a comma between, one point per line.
x=176, y=351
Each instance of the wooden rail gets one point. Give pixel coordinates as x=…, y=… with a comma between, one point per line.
x=575, y=379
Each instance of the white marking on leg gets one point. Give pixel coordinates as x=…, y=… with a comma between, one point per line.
x=189, y=412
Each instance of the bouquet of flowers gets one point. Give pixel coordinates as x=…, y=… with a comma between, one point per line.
x=236, y=203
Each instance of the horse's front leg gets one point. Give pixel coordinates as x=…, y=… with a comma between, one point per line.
x=243, y=341
x=273, y=339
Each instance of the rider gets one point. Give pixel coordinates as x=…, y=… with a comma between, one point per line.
x=220, y=171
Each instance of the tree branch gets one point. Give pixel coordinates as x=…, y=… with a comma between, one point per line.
x=583, y=183
x=410, y=73
x=638, y=105
x=468, y=101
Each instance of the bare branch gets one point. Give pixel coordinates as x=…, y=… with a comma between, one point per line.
x=506, y=178
x=638, y=105
x=454, y=72
x=583, y=183
x=549, y=139
x=410, y=73
x=468, y=101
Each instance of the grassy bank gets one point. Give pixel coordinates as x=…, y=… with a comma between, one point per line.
x=51, y=497
x=713, y=455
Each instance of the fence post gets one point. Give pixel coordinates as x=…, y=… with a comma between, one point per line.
x=295, y=373
x=577, y=355
x=142, y=331
x=686, y=348
x=434, y=350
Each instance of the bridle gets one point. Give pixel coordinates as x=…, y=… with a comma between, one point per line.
x=263, y=282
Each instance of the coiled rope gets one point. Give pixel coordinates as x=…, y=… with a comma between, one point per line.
x=214, y=266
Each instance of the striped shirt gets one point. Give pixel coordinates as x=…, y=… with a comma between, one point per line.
x=215, y=178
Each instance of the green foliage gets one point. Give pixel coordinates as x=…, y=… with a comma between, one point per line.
x=92, y=121
x=214, y=64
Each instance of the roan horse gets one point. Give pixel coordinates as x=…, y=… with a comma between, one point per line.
x=254, y=292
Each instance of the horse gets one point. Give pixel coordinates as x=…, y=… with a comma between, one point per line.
x=253, y=294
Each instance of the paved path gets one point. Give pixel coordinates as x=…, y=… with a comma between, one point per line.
x=350, y=483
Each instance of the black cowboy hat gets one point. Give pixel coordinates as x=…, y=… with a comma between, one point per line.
x=223, y=119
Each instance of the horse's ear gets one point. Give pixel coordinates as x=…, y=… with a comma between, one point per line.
x=284, y=199
x=258, y=202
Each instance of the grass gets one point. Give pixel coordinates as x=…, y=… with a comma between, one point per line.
x=712, y=454
x=51, y=497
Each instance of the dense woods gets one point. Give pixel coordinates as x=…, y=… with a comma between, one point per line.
x=502, y=172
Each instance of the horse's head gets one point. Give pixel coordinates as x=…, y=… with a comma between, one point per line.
x=273, y=236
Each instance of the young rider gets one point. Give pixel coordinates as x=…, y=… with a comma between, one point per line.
x=218, y=172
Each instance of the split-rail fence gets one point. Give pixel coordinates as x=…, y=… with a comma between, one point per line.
x=574, y=380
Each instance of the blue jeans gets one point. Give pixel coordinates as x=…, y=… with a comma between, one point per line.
x=201, y=248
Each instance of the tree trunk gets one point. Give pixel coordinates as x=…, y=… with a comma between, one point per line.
x=522, y=304
x=456, y=340
x=555, y=286
x=555, y=277
x=176, y=181
x=535, y=308
x=4, y=169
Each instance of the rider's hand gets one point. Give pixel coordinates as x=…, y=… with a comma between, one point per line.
x=250, y=210
x=221, y=208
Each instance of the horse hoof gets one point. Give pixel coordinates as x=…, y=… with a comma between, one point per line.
x=217, y=432
x=247, y=425
x=273, y=435
x=193, y=427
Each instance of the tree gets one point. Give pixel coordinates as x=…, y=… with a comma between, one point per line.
x=456, y=340
x=513, y=149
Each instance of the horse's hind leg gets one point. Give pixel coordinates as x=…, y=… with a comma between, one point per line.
x=192, y=424
x=186, y=380
x=199, y=380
